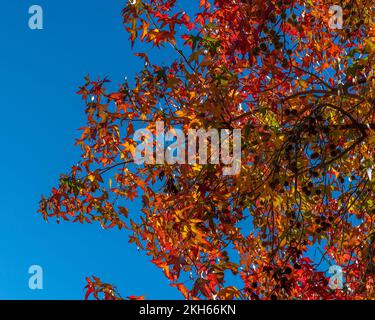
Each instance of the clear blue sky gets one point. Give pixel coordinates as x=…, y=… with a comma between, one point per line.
x=40, y=113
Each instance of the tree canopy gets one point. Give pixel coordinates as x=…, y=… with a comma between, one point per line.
x=302, y=94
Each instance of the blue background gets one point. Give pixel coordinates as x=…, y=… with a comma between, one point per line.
x=40, y=113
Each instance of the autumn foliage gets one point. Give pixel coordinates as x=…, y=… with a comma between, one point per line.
x=303, y=96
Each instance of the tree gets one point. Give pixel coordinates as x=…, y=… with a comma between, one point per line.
x=302, y=94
